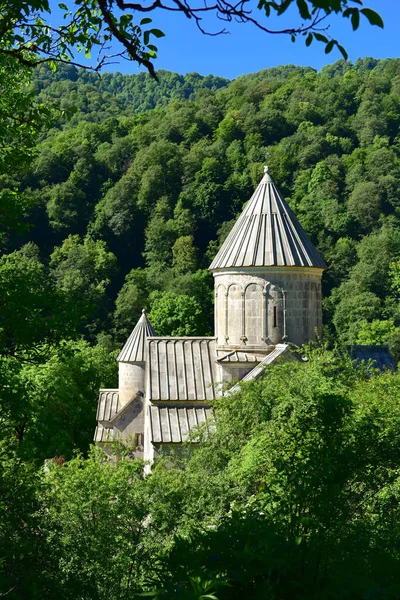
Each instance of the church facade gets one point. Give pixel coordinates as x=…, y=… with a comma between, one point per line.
x=267, y=286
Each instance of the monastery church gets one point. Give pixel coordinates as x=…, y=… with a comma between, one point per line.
x=267, y=278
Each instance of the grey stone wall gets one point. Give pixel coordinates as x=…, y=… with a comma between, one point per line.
x=130, y=426
x=131, y=381
x=260, y=307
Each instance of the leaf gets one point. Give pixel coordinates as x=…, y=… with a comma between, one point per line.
x=303, y=9
x=281, y=8
x=267, y=9
x=63, y=6
x=309, y=39
x=329, y=47
x=321, y=38
x=145, y=21
x=355, y=19
x=157, y=33
x=373, y=17
x=342, y=51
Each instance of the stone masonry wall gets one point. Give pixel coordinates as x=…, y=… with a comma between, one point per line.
x=131, y=381
x=257, y=308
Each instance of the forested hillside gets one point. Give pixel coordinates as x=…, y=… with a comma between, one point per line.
x=134, y=194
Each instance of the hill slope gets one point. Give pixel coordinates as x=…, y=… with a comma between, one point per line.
x=157, y=172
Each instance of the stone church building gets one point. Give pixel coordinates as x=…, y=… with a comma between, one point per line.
x=267, y=278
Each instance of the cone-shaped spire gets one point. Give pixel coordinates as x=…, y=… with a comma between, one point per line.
x=135, y=349
x=267, y=234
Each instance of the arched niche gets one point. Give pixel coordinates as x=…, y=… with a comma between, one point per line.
x=275, y=315
x=220, y=308
x=253, y=314
x=234, y=314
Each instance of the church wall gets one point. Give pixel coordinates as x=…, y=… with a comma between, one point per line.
x=131, y=381
x=234, y=373
x=149, y=450
x=130, y=426
x=255, y=307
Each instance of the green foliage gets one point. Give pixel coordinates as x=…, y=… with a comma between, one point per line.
x=162, y=187
x=132, y=298
x=22, y=118
x=23, y=558
x=82, y=270
x=302, y=499
x=50, y=406
x=102, y=555
x=34, y=311
x=129, y=202
x=184, y=255
x=175, y=314
x=381, y=332
x=302, y=472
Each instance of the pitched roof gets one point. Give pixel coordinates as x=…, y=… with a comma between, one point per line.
x=108, y=405
x=240, y=357
x=174, y=423
x=267, y=234
x=135, y=349
x=103, y=434
x=379, y=354
x=181, y=369
x=255, y=373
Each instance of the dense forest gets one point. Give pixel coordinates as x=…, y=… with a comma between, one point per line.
x=136, y=184
x=115, y=194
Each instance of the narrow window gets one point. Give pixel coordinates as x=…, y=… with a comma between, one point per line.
x=275, y=320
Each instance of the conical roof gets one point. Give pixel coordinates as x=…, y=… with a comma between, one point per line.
x=267, y=234
x=135, y=349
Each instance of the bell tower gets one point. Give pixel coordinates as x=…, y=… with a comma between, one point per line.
x=267, y=277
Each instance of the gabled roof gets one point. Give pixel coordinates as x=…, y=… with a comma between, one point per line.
x=135, y=349
x=379, y=354
x=267, y=234
x=181, y=369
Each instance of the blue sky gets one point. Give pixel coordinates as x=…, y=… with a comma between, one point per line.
x=246, y=49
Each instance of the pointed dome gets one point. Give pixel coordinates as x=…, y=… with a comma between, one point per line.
x=135, y=349
x=267, y=234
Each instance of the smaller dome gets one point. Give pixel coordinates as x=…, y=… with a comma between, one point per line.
x=135, y=348
x=267, y=234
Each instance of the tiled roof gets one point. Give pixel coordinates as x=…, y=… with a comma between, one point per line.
x=135, y=349
x=181, y=369
x=267, y=234
x=108, y=405
x=379, y=354
x=174, y=423
x=239, y=357
x=103, y=434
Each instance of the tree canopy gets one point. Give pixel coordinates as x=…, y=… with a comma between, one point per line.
x=294, y=491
